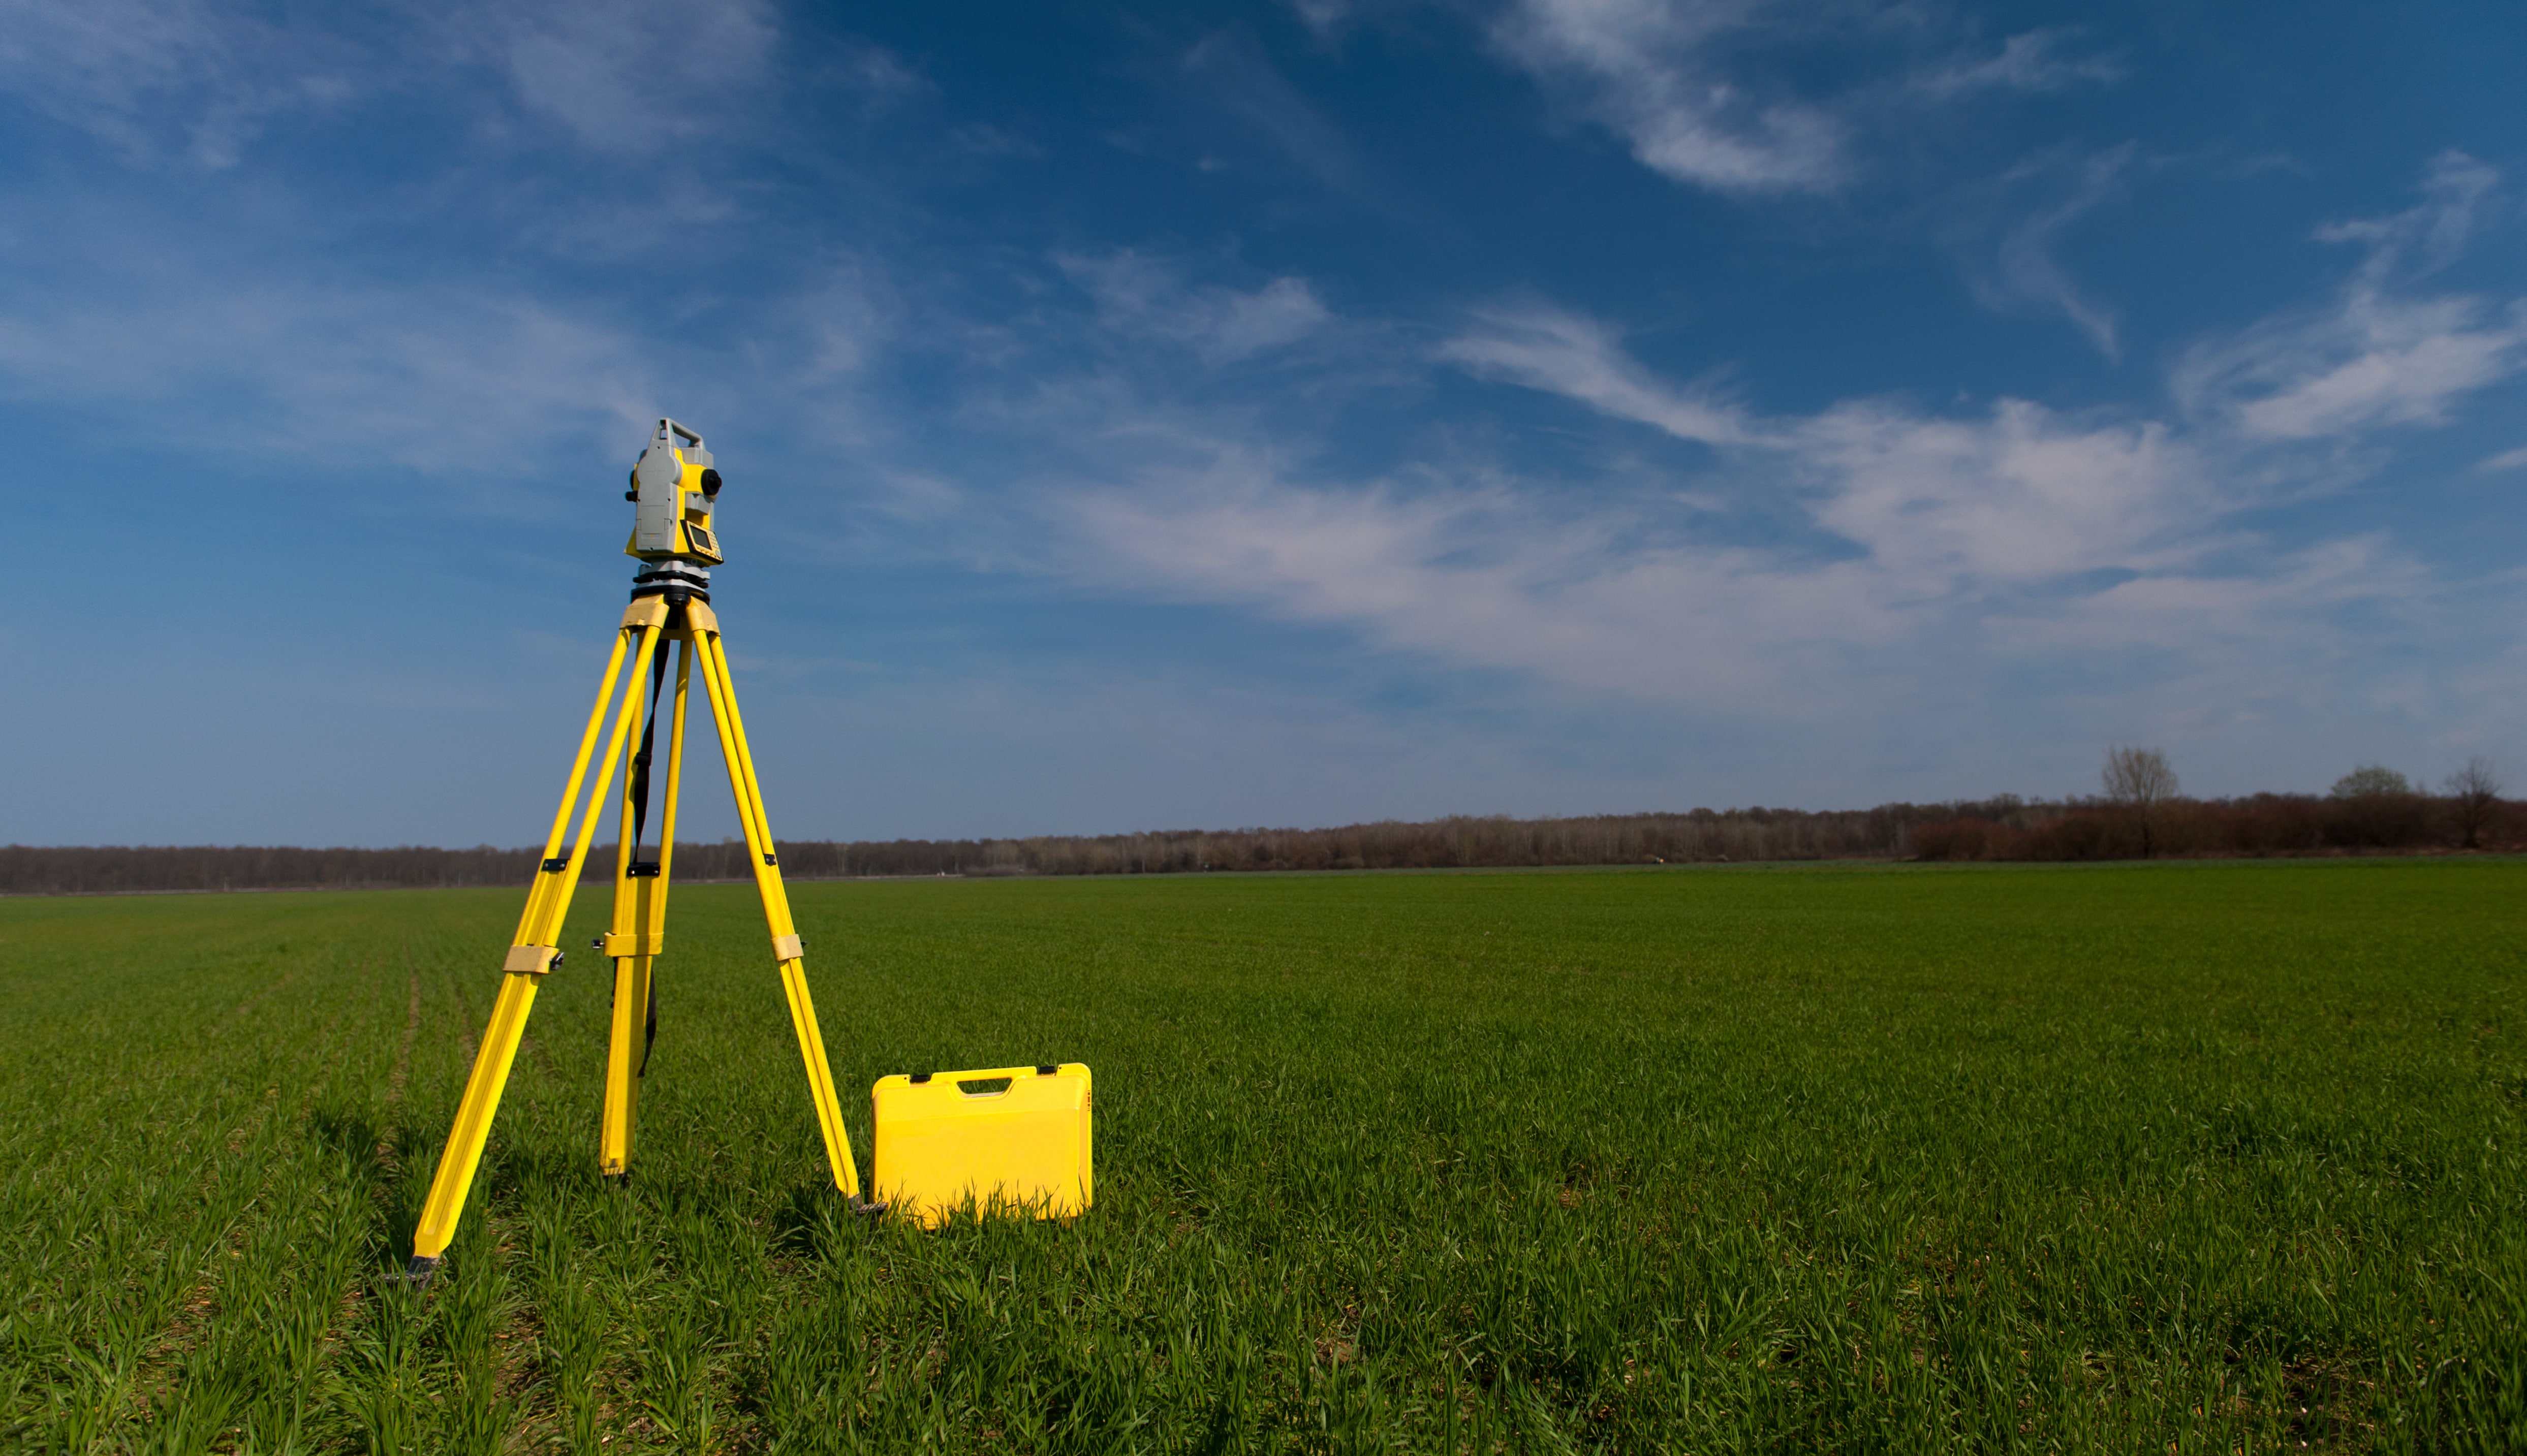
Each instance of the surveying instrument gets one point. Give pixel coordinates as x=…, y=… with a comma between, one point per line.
x=1011, y=1138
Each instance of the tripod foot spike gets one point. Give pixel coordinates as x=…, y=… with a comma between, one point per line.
x=418, y=1272
x=867, y=1208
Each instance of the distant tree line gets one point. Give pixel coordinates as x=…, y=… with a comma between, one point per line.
x=1461, y=842
x=2371, y=809
x=1455, y=843
x=29, y=871
x=2142, y=814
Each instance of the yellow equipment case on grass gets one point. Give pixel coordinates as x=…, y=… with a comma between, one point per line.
x=1027, y=1125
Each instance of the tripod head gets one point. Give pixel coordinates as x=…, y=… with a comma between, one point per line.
x=676, y=487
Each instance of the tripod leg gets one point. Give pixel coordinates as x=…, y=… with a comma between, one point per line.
x=623, y=1064
x=546, y=880
x=655, y=923
x=630, y=997
x=776, y=899
x=641, y=919
x=533, y=954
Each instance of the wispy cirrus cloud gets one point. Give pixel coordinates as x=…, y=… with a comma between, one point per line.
x=1233, y=78
x=245, y=304
x=1869, y=557
x=2172, y=614
x=183, y=82
x=1569, y=354
x=1643, y=68
x=344, y=371
x=1148, y=298
x=2383, y=353
x=1956, y=554
x=2011, y=229
x=1682, y=82
x=1941, y=503
x=282, y=352
x=180, y=81
x=2026, y=493
x=2377, y=361
x=2021, y=495
x=1925, y=552
x=2034, y=61
x=1686, y=85
x=629, y=77
x=1476, y=575
x=1982, y=539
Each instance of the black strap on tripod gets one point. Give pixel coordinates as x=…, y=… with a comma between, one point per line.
x=653, y=1036
x=651, y=1039
x=641, y=764
x=640, y=827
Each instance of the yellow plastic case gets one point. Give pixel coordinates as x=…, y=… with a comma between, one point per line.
x=1020, y=1149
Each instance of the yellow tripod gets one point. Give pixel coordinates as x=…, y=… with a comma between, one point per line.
x=669, y=605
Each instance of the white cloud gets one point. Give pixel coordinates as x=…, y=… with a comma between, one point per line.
x=2021, y=497
x=847, y=318
x=1945, y=557
x=1682, y=82
x=2031, y=61
x=630, y=75
x=1910, y=556
x=2376, y=363
x=1916, y=539
x=1870, y=558
x=2506, y=460
x=1642, y=69
x=2453, y=188
x=214, y=329
x=2010, y=255
x=1281, y=312
x=167, y=80
x=1145, y=298
x=1476, y=577
x=438, y=378
x=278, y=350
x=1565, y=353
x=2267, y=611
x=1230, y=75
x=1326, y=18
x=2021, y=494
x=2380, y=355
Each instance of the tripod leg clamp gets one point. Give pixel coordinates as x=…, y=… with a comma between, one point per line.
x=531, y=960
x=616, y=943
x=786, y=948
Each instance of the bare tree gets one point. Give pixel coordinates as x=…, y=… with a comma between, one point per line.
x=2140, y=779
x=2472, y=791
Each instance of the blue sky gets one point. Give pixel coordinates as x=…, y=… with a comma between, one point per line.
x=1175, y=416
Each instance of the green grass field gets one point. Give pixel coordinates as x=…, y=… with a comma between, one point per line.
x=2179, y=1158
